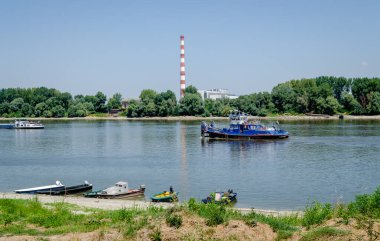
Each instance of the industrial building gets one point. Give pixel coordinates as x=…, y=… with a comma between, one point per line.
x=216, y=94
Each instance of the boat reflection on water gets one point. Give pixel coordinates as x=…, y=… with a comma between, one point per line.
x=245, y=151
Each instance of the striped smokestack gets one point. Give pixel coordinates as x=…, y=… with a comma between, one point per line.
x=183, y=79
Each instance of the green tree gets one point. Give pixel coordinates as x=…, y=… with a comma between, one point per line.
x=114, y=102
x=77, y=110
x=373, y=106
x=147, y=95
x=284, y=98
x=191, y=90
x=40, y=109
x=191, y=104
x=362, y=87
x=16, y=104
x=338, y=85
x=65, y=99
x=328, y=106
x=165, y=103
x=350, y=104
x=4, y=109
x=27, y=110
x=135, y=109
x=150, y=109
x=100, y=105
x=57, y=111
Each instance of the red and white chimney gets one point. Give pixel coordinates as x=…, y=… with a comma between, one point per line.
x=182, y=66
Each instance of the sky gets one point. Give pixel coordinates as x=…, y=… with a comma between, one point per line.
x=85, y=46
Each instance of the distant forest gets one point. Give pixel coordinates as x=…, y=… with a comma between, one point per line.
x=321, y=95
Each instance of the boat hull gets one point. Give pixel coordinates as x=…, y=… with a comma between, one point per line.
x=243, y=136
x=131, y=193
x=6, y=126
x=29, y=127
x=35, y=190
x=68, y=190
x=230, y=198
x=172, y=197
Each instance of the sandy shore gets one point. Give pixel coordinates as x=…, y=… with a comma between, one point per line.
x=114, y=204
x=197, y=118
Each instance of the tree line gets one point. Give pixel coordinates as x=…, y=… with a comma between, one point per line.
x=322, y=95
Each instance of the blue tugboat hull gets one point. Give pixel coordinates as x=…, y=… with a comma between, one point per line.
x=244, y=136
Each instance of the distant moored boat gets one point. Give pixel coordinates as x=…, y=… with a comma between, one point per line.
x=25, y=124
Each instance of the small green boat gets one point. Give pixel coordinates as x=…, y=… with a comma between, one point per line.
x=165, y=197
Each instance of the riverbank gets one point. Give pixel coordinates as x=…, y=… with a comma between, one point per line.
x=199, y=118
x=115, y=204
x=27, y=217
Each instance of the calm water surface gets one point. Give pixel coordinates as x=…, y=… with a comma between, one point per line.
x=327, y=161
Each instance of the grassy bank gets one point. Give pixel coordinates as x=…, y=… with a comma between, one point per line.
x=30, y=219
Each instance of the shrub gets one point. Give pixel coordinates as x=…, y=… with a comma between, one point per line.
x=174, y=220
x=317, y=213
x=368, y=204
x=156, y=235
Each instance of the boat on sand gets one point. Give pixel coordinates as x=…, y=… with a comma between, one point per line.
x=34, y=190
x=165, y=196
x=221, y=197
x=85, y=187
x=119, y=190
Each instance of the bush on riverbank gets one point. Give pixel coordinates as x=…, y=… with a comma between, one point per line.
x=200, y=221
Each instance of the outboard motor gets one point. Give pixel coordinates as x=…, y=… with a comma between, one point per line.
x=203, y=128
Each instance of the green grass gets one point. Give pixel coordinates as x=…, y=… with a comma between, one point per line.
x=323, y=233
x=214, y=214
x=99, y=115
x=59, y=218
x=284, y=226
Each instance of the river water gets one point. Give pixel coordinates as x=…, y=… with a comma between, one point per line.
x=328, y=161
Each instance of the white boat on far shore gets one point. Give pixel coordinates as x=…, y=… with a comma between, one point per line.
x=25, y=124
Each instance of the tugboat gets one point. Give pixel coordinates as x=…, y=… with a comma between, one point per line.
x=241, y=129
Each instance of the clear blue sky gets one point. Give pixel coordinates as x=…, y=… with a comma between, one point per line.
x=85, y=46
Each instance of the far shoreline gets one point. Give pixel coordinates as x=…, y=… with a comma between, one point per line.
x=198, y=118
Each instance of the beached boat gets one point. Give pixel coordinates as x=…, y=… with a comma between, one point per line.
x=25, y=124
x=34, y=190
x=165, y=196
x=221, y=197
x=68, y=190
x=241, y=129
x=119, y=190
